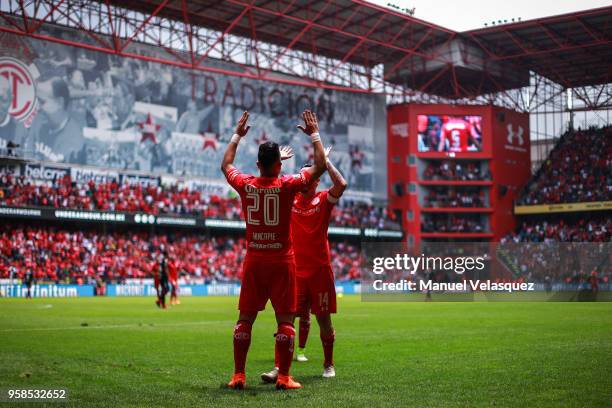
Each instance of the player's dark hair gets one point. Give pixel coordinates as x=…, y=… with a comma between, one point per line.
x=269, y=154
x=307, y=165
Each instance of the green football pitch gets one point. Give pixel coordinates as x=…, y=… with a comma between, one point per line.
x=126, y=352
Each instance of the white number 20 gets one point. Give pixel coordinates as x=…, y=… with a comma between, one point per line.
x=271, y=206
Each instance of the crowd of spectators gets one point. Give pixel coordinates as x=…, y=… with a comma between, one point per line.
x=579, y=169
x=443, y=223
x=454, y=198
x=454, y=170
x=570, y=249
x=590, y=228
x=111, y=196
x=87, y=256
x=354, y=214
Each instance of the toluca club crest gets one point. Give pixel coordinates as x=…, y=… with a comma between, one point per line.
x=22, y=83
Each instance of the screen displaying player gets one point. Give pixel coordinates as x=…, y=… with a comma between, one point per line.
x=445, y=133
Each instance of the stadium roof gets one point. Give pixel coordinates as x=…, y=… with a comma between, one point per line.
x=351, y=31
x=573, y=50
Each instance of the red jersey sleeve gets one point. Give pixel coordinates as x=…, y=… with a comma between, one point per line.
x=328, y=201
x=298, y=181
x=236, y=179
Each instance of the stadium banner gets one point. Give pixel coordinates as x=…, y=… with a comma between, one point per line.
x=139, y=289
x=44, y=172
x=139, y=179
x=130, y=290
x=169, y=221
x=79, y=106
x=559, y=208
x=207, y=187
x=98, y=176
x=10, y=169
x=490, y=271
x=348, y=288
x=46, y=290
x=208, y=289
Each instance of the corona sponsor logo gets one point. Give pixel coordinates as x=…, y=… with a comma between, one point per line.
x=22, y=80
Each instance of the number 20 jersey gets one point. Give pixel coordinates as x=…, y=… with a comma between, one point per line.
x=266, y=205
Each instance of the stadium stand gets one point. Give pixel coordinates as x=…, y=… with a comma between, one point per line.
x=452, y=223
x=85, y=256
x=110, y=196
x=444, y=198
x=454, y=170
x=580, y=228
x=579, y=169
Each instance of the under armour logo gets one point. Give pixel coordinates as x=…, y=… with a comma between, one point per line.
x=518, y=135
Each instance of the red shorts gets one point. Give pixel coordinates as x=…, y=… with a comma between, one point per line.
x=316, y=290
x=263, y=279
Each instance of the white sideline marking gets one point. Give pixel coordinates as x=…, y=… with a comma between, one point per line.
x=116, y=326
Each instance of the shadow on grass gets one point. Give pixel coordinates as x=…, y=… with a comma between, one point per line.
x=255, y=388
x=252, y=389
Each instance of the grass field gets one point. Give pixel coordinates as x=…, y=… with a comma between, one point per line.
x=124, y=351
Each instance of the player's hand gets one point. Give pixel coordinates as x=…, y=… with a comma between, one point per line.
x=242, y=128
x=286, y=152
x=327, y=150
x=311, y=125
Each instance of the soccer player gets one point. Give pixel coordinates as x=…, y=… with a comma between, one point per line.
x=173, y=278
x=163, y=273
x=269, y=267
x=29, y=280
x=457, y=135
x=156, y=282
x=315, y=279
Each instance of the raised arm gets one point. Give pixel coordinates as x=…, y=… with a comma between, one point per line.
x=230, y=153
x=340, y=183
x=311, y=129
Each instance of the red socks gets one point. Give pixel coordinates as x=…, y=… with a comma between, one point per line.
x=328, y=349
x=285, y=338
x=284, y=347
x=304, y=329
x=242, y=341
x=276, y=359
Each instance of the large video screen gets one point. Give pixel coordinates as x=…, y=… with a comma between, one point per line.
x=445, y=133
